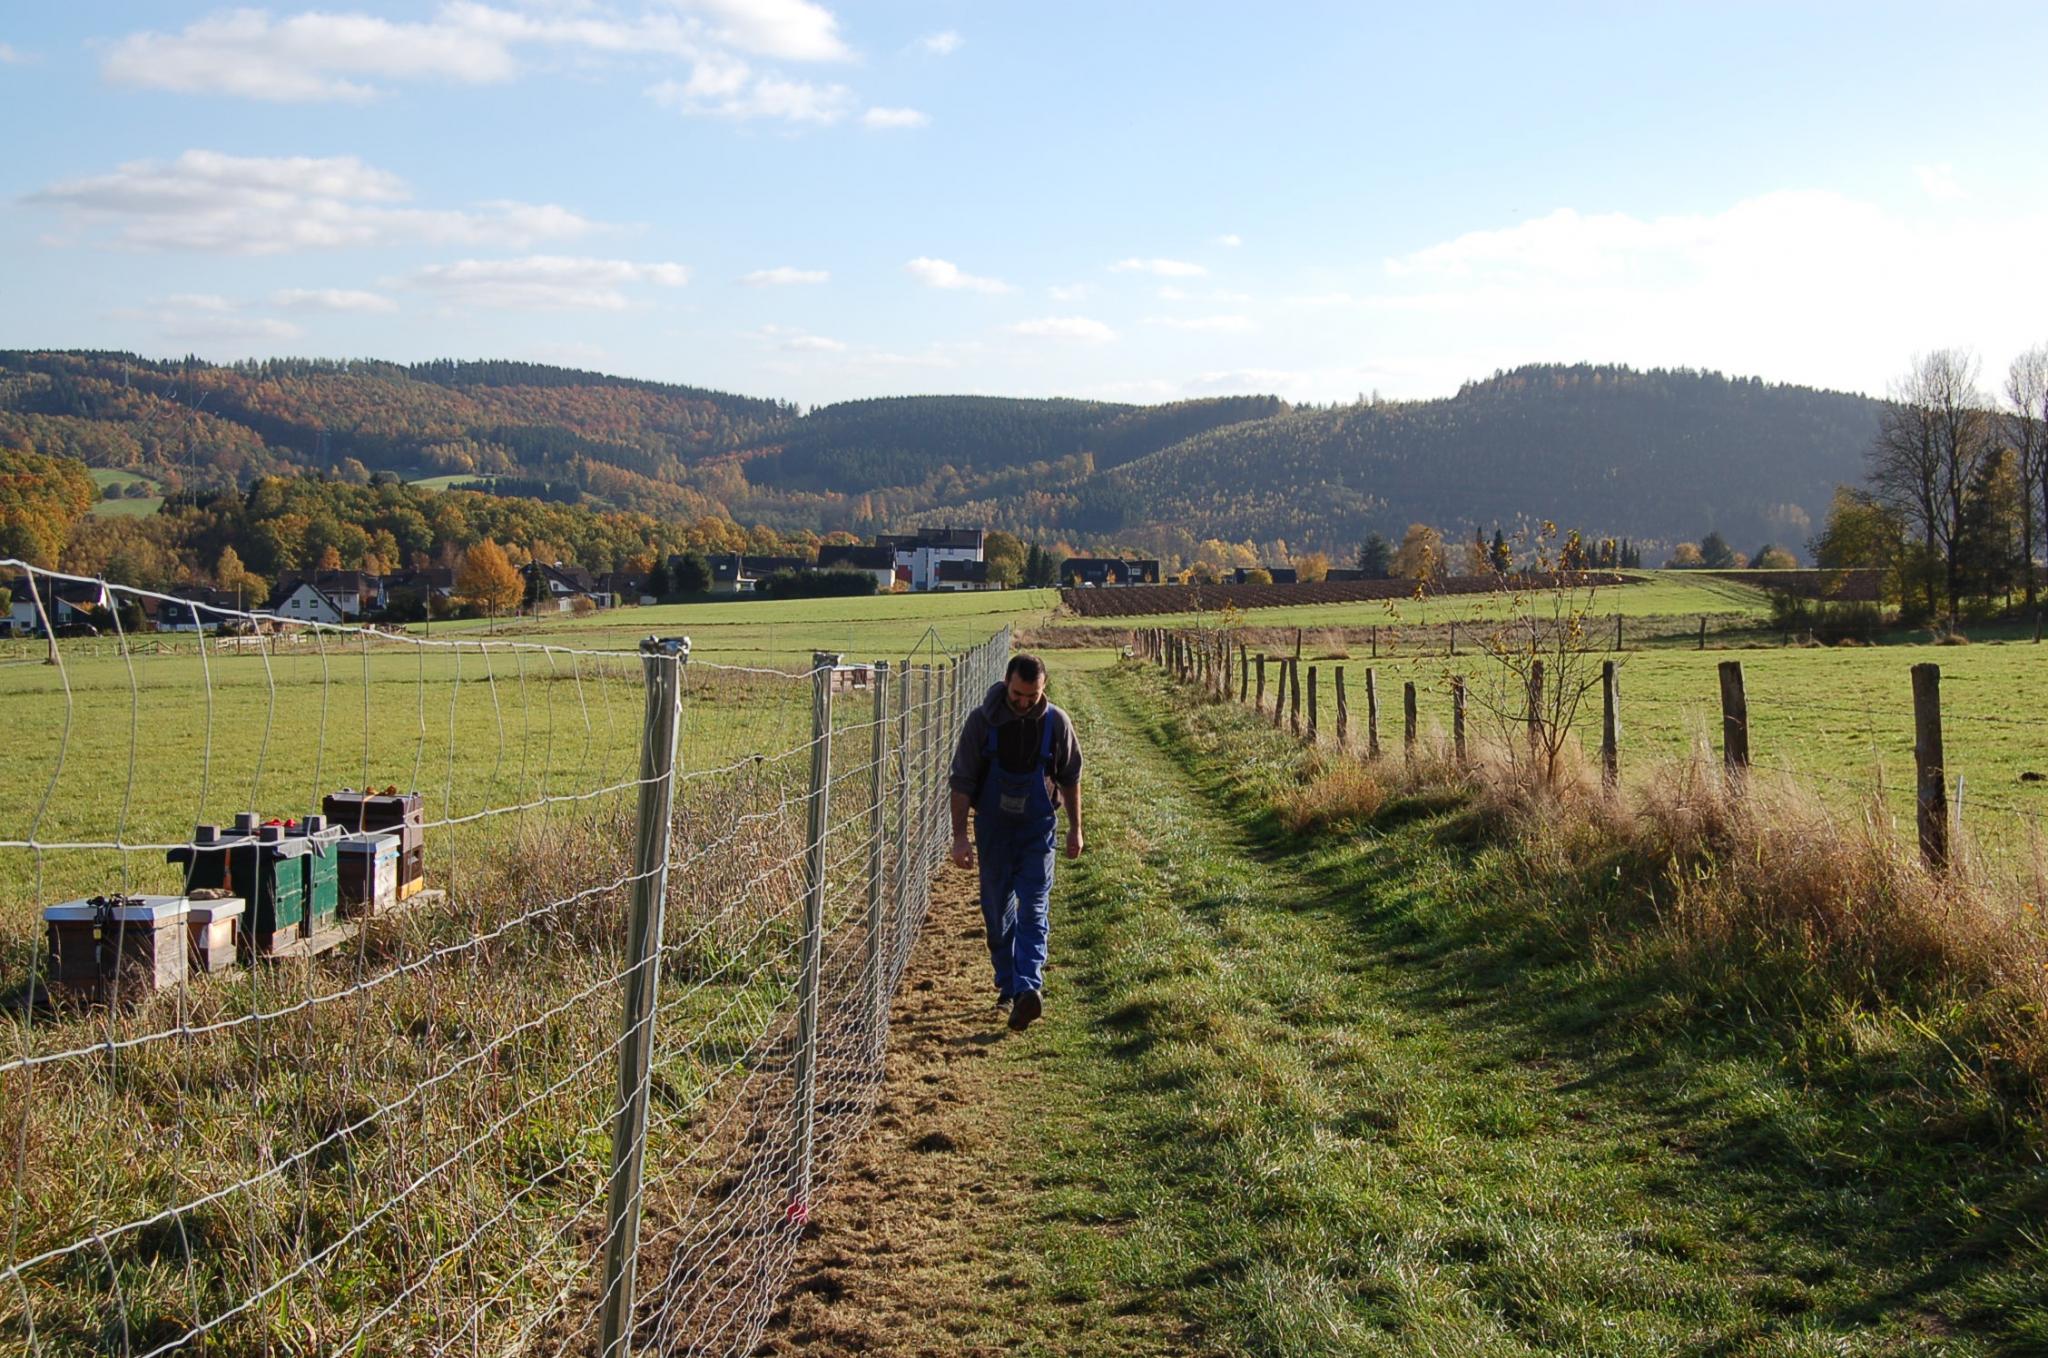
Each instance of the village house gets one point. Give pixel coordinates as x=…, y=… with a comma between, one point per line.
x=1078, y=572
x=67, y=602
x=556, y=588
x=877, y=561
x=921, y=552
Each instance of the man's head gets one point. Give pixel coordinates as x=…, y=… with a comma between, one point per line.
x=1025, y=682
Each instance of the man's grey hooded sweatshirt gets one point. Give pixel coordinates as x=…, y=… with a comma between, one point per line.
x=1017, y=743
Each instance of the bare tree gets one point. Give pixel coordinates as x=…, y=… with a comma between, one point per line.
x=2026, y=433
x=1931, y=439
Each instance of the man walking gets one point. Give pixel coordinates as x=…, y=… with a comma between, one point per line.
x=1016, y=758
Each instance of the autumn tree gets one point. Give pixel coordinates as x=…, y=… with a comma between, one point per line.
x=1006, y=558
x=229, y=572
x=488, y=581
x=1311, y=568
x=1684, y=557
x=1421, y=554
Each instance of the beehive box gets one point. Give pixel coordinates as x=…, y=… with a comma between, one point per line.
x=402, y=813
x=369, y=874
x=212, y=932
x=207, y=859
x=269, y=874
x=117, y=945
x=323, y=874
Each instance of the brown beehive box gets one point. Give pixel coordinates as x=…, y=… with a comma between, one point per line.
x=118, y=945
x=401, y=813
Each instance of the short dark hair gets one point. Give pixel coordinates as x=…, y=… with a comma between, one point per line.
x=1025, y=666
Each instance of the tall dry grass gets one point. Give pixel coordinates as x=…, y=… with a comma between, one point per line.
x=1754, y=880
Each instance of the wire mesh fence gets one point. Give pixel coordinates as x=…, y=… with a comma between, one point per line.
x=571, y=1084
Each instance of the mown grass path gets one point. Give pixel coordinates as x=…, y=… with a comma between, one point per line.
x=1290, y=1100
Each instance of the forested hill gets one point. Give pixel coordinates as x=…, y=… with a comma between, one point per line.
x=1655, y=455
x=1651, y=455
x=910, y=441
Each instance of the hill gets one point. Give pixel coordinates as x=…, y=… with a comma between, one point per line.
x=1657, y=456
x=1654, y=455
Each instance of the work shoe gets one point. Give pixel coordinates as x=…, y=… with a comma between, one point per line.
x=1025, y=1010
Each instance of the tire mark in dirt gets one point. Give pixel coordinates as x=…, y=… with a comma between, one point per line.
x=908, y=1252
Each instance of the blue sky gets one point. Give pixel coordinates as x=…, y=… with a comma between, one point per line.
x=1136, y=201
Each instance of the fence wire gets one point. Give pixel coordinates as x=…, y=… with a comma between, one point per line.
x=402, y=1133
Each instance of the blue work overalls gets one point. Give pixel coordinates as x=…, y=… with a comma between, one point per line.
x=1013, y=831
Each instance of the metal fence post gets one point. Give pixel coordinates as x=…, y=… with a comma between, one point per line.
x=878, y=862
x=662, y=661
x=900, y=957
x=819, y=818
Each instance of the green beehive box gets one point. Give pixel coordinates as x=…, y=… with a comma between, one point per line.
x=270, y=873
x=322, y=863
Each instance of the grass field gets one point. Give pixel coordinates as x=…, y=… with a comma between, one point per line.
x=787, y=631
x=1678, y=595
x=102, y=477
x=1837, y=719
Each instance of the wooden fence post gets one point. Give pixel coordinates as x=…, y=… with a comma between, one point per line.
x=1280, y=695
x=1734, y=721
x=1617, y=631
x=1294, y=695
x=1454, y=636
x=1703, y=631
x=1458, y=715
x=1930, y=768
x=1372, y=713
x=1375, y=641
x=1259, y=701
x=1244, y=671
x=1610, y=726
x=1311, y=704
x=1408, y=720
x=1343, y=713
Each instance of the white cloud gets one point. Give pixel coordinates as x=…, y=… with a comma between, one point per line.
x=256, y=205
x=10, y=56
x=800, y=342
x=1940, y=182
x=1231, y=239
x=939, y=273
x=1212, y=325
x=1800, y=285
x=783, y=276
x=887, y=119
x=545, y=282
x=793, y=30
x=1162, y=268
x=1170, y=293
x=941, y=44
x=208, y=321
x=305, y=56
x=331, y=299
x=727, y=88
x=1069, y=292
x=351, y=56
x=1079, y=328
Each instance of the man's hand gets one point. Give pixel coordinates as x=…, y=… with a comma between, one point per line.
x=963, y=852
x=1074, y=841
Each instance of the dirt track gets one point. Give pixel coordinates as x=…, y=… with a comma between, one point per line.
x=903, y=1255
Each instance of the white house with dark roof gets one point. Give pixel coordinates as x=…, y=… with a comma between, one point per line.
x=921, y=552
x=304, y=601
